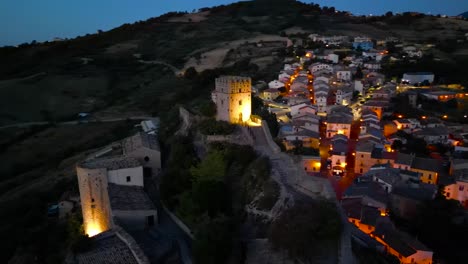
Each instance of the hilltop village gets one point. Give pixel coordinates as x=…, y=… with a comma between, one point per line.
x=383, y=149
x=341, y=131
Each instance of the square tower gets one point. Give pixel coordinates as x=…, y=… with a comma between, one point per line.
x=233, y=99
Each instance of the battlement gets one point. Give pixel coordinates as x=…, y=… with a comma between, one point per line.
x=233, y=84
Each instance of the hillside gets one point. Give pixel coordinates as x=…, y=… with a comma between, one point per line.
x=130, y=66
x=149, y=68
x=465, y=14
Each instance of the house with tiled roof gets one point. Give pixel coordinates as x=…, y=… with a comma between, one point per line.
x=320, y=67
x=363, y=160
x=362, y=216
x=385, y=175
x=339, y=121
x=338, y=152
x=407, y=249
x=433, y=135
x=376, y=105
x=428, y=169
x=372, y=193
x=457, y=186
x=406, y=198
x=271, y=94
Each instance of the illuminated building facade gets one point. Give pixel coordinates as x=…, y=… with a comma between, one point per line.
x=233, y=99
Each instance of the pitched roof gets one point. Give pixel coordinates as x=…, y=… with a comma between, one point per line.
x=308, y=133
x=271, y=90
x=113, y=163
x=140, y=140
x=129, y=198
x=386, y=174
x=365, y=145
x=405, y=159
x=432, y=131
x=418, y=192
x=401, y=242
x=370, y=189
x=427, y=164
x=107, y=248
x=339, y=137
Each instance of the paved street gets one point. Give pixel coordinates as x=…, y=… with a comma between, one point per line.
x=297, y=183
x=294, y=181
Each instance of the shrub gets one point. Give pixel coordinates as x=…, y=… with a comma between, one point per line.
x=214, y=127
x=304, y=229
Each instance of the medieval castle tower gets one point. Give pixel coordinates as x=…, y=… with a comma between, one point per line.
x=233, y=100
x=95, y=202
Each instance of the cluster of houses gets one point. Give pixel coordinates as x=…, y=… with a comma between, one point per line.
x=326, y=99
x=367, y=202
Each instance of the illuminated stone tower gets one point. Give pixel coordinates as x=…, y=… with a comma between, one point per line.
x=95, y=203
x=232, y=96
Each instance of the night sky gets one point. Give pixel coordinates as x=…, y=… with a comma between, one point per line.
x=26, y=20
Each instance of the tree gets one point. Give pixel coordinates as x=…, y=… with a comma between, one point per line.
x=208, y=108
x=389, y=14
x=213, y=240
x=305, y=229
x=397, y=144
x=79, y=242
x=358, y=74
x=215, y=127
x=452, y=103
x=448, y=240
x=212, y=197
x=355, y=95
x=191, y=73
x=212, y=168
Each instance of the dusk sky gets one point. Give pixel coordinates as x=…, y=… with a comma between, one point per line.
x=26, y=20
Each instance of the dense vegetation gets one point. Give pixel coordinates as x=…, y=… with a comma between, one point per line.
x=446, y=72
x=307, y=230
x=210, y=194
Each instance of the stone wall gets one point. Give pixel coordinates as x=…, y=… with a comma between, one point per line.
x=269, y=139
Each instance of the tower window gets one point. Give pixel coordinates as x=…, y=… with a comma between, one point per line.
x=240, y=102
x=92, y=200
x=146, y=158
x=240, y=90
x=128, y=179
